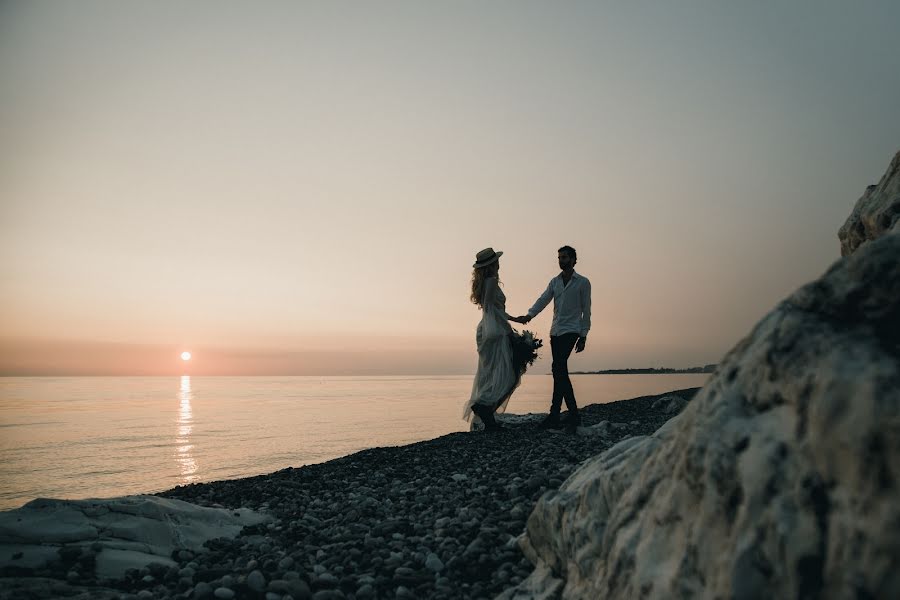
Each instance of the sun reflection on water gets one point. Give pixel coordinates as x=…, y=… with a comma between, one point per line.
x=183, y=447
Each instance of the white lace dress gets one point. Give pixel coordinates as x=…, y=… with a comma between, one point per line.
x=496, y=378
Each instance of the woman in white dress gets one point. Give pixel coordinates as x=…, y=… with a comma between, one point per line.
x=497, y=376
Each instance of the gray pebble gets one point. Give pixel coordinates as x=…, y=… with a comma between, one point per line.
x=203, y=590
x=365, y=591
x=433, y=563
x=224, y=593
x=256, y=581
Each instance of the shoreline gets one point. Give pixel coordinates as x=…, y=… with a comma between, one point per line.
x=432, y=519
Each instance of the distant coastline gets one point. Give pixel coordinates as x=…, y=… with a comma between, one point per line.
x=648, y=371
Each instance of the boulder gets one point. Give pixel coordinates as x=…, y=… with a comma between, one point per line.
x=779, y=479
x=671, y=405
x=115, y=533
x=875, y=213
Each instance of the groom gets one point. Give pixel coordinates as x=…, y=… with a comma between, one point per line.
x=571, y=295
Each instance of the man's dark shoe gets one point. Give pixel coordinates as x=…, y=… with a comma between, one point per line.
x=550, y=422
x=572, y=423
x=494, y=426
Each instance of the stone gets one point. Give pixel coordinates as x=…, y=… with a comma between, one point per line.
x=224, y=593
x=131, y=531
x=365, y=591
x=433, y=563
x=779, y=479
x=876, y=212
x=203, y=590
x=256, y=581
x=603, y=429
x=671, y=405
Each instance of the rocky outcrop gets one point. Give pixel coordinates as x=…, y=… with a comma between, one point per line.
x=109, y=536
x=875, y=213
x=780, y=478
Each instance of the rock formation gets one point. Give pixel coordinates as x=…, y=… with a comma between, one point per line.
x=875, y=213
x=110, y=535
x=780, y=478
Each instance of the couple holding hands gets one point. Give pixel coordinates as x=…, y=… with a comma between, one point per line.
x=499, y=368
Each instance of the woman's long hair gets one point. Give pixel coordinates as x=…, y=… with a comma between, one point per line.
x=478, y=277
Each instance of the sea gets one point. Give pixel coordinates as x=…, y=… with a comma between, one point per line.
x=94, y=437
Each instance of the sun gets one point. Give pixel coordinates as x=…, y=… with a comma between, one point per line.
x=185, y=356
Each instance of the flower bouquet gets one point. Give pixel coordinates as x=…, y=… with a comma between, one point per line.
x=525, y=350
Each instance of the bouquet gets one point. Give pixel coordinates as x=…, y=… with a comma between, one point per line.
x=525, y=350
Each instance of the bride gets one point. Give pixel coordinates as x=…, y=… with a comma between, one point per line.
x=497, y=376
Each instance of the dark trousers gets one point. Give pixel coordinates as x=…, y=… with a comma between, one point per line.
x=561, y=346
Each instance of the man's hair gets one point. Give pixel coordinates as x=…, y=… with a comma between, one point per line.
x=570, y=251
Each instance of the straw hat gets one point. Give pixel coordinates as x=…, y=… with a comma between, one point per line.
x=486, y=257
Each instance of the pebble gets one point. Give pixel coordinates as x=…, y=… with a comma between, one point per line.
x=256, y=581
x=224, y=593
x=433, y=563
x=203, y=590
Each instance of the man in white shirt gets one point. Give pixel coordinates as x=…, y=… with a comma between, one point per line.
x=571, y=295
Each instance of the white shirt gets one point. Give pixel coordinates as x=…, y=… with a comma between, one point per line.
x=571, y=305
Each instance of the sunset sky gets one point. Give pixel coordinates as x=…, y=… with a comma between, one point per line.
x=301, y=187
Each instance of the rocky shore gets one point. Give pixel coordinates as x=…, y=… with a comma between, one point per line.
x=778, y=479
x=435, y=519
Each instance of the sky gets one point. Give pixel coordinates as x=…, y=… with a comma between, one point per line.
x=301, y=187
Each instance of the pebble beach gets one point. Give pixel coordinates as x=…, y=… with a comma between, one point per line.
x=434, y=519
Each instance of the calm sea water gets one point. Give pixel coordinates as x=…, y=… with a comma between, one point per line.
x=78, y=437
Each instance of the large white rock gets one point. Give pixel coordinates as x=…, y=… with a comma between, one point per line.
x=779, y=479
x=126, y=532
x=875, y=213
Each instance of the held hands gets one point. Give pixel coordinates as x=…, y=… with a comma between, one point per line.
x=522, y=319
x=579, y=346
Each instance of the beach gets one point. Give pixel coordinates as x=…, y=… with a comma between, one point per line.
x=433, y=519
